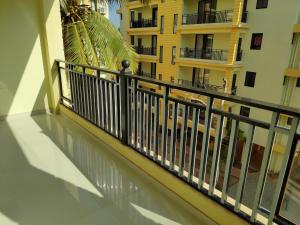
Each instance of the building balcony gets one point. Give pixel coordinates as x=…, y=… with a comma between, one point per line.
x=146, y=74
x=188, y=83
x=224, y=16
x=144, y=23
x=145, y=50
x=211, y=54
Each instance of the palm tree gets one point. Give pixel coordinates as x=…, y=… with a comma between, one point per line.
x=90, y=38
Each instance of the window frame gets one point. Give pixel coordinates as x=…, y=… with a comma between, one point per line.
x=175, y=23
x=247, y=79
x=161, y=52
x=245, y=111
x=162, y=22
x=173, y=55
x=253, y=44
x=262, y=4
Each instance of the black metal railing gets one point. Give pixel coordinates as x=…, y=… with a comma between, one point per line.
x=143, y=23
x=189, y=84
x=224, y=16
x=145, y=50
x=199, y=155
x=213, y=54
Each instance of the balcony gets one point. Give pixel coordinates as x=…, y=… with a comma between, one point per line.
x=189, y=84
x=217, y=163
x=145, y=50
x=211, y=54
x=144, y=23
x=224, y=16
x=146, y=74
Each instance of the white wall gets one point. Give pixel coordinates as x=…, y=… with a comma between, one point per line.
x=31, y=39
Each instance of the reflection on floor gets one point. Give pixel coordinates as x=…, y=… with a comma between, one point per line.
x=54, y=172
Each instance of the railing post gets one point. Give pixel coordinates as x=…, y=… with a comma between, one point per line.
x=59, y=82
x=123, y=100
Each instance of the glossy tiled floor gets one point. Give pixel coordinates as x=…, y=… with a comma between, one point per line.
x=52, y=172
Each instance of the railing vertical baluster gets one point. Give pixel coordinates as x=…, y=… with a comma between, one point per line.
x=264, y=166
x=103, y=104
x=88, y=102
x=183, y=135
x=123, y=99
x=98, y=99
x=59, y=82
x=112, y=111
x=80, y=93
x=135, y=112
x=107, y=101
x=165, y=125
x=142, y=112
x=216, y=155
x=113, y=115
x=205, y=142
x=173, y=135
x=193, y=144
x=245, y=165
x=149, y=98
x=129, y=105
x=290, y=148
x=230, y=158
x=83, y=93
x=156, y=129
x=116, y=109
x=77, y=94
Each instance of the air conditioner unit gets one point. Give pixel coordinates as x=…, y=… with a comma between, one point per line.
x=102, y=10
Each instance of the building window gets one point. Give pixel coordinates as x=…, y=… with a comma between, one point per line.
x=173, y=55
x=175, y=22
x=250, y=79
x=132, y=40
x=162, y=24
x=289, y=121
x=245, y=111
x=121, y=16
x=172, y=79
x=161, y=49
x=298, y=82
x=256, y=41
x=262, y=4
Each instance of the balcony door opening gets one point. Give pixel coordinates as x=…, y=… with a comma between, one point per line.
x=153, y=44
x=239, y=50
x=154, y=17
x=204, y=46
x=140, y=45
x=132, y=18
x=140, y=19
x=200, y=77
x=140, y=68
x=207, y=11
x=153, y=70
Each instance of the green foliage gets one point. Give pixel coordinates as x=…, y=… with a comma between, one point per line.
x=90, y=38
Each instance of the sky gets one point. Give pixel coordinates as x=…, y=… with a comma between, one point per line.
x=113, y=16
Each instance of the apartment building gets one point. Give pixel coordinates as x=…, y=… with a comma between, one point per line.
x=248, y=48
x=97, y=6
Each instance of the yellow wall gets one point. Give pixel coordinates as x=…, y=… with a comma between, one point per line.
x=30, y=40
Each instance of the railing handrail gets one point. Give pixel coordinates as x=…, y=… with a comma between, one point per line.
x=219, y=11
x=291, y=111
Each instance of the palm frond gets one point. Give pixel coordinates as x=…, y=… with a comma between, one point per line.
x=113, y=49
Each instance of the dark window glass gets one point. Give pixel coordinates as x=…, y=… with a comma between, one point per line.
x=173, y=55
x=162, y=24
x=161, y=49
x=245, y=111
x=160, y=76
x=256, y=41
x=289, y=121
x=298, y=82
x=132, y=40
x=175, y=23
x=262, y=4
x=250, y=79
